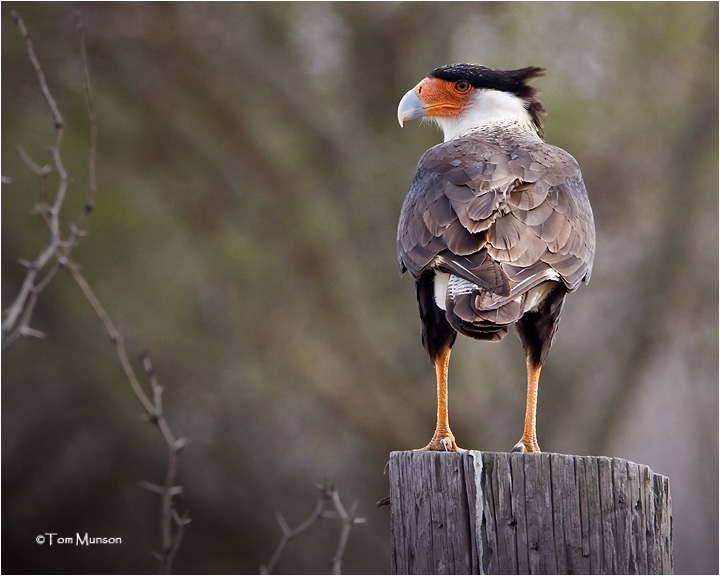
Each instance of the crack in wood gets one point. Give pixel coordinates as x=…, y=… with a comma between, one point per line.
x=497, y=513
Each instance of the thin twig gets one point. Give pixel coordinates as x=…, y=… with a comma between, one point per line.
x=347, y=519
x=169, y=538
x=17, y=316
x=289, y=534
x=38, y=170
x=116, y=337
x=180, y=523
x=327, y=493
x=58, y=252
x=57, y=118
x=41, y=171
x=24, y=303
x=57, y=121
x=92, y=184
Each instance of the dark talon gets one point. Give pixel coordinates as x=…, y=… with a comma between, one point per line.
x=443, y=443
x=517, y=448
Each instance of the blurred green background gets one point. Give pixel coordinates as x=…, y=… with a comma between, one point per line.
x=250, y=176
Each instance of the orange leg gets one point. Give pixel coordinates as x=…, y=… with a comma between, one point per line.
x=443, y=439
x=528, y=442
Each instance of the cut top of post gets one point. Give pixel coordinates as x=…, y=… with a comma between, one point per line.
x=497, y=513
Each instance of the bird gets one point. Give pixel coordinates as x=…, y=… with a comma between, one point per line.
x=496, y=228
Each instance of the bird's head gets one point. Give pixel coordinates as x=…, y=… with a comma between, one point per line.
x=460, y=97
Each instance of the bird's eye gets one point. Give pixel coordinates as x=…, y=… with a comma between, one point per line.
x=462, y=86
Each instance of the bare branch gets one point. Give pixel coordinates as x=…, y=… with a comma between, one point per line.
x=180, y=523
x=347, y=519
x=57, y=118
x=327, y=493
x=92, y=185
x=23, y=328
x=57, y=255
x=38, y=170
x=24, y=304
x=170, y=537
x=58, y=123
x=116, y=337
x=17, y=316
x=289, y=534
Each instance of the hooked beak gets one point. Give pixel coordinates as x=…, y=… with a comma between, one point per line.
x=410, y=107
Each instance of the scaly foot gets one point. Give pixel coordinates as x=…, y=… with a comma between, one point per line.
x=442, y=443
x=526, y=446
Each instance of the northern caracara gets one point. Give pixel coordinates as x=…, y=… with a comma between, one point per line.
x=497, y=226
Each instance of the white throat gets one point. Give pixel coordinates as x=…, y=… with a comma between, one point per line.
x=487, y=107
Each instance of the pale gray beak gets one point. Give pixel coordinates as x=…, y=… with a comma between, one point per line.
x=410, y=107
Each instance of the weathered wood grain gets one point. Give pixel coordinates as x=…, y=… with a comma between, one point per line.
x=498, y=513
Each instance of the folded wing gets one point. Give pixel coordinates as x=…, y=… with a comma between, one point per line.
x=502, y=218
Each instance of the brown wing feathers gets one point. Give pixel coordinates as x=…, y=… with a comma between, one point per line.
x=502, y=217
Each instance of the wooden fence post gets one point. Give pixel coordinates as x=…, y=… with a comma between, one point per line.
x=497, y=513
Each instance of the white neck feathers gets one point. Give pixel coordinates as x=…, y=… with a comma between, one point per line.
x=487, y=107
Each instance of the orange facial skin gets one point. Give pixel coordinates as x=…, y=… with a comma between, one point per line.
x=443, y=98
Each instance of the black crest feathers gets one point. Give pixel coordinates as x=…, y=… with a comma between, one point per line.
x=513, y=81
